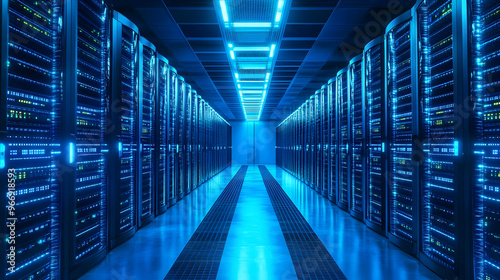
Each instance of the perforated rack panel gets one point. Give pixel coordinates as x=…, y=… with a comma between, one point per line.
x=485, y=19
x=399, y=79
x=148, y=99
x=91, y=112
x=343, y=139
x=438, y=193
x=356, y=138
x=32, y=123
x=375, y=119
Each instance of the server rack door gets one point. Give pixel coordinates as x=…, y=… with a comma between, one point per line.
x=147, y=148
x=125, y=120
x=194, y=140
x=332, y=118
x=180, y=127
x=187, y=140
x=29, y=150
x=439, y=185
x=318, y=166
x=325, y=134
x=309, y=156
x=172, y=137
x=343, y=139
x=402, y=172
x=161, y=133
x=374, y=87
x=356, y=125
x=485, y=60
x=86, y=182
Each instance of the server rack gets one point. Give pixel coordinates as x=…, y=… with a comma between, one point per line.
x=440, y=184
x=318, y=162
x=402, y=135
x=124, y=136
x=147, y=148
x=356, y=138
x=484, y=61
x=181, y=132
x=162, y=132
x=194, y=140
x=332, y=118
x=343, y=139
x=30, y=147
x=173, y=148
x=325, y=134
x=187, y=140
x=376, y=159
x=86, y=88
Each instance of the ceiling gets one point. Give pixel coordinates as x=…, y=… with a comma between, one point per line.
x=320, y=38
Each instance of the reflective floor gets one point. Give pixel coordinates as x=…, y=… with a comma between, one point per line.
x=255, y=247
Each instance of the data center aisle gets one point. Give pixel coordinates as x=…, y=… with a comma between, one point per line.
x=150, y=253
x=255, y=246
x=360, y=252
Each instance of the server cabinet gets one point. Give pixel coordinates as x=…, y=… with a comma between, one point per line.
x=318, y=162
x=332, y=119
x=203, y=147
x=181, y=131
x=161, y=134
x=194, y=140
x=187, y=140
x=485, y=108
x=374, y=87
x=124, y=135
x=440, y=185
x=30, y=147
x=86, y=91
x=325, y=134
x=308, y=127
x=402, y=134
x=173, y=148
x=147, y=147
x=356, y=139
x=343, y=139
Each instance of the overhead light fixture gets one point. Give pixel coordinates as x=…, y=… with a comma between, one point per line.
x=273, y=47
x=267, y=76
x=223, y=7
x=237, y=75
x=232, y=55
x=230, y=46
x=252, y=24
x=251, y=49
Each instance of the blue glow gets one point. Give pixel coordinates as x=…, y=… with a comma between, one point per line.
x=272, y=50
x=230, y=45
x=71, y=152
x=237, y=75
x=251, y=49
x=233, y=57
x=2, y=156
x=383, y=147
x=278, y=17
x=456, y=147
x=252, y=24
x=120, y=148
x=224, y=10
x=281, y=3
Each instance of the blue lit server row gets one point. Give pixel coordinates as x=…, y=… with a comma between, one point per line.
x=410, y=134
x=99, y=135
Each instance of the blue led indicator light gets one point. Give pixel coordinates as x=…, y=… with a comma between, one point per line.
x=120, y=148
x=71, y=152
x=456, y=148
x=383, y=147
x=2, y=156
